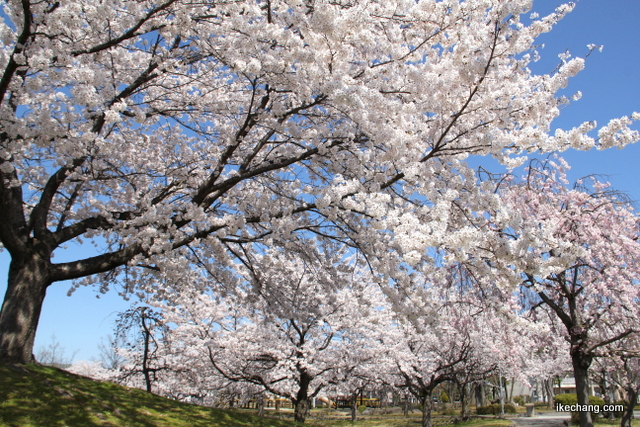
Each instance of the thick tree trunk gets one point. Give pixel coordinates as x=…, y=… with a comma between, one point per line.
x=405, y=406
x=301, y=408
x=301, y=402
x=354, y=407
x=464, y=401
x=548, y=385
x=510, y=396
x=480, y=395
x=632, y=398
x=26, y=289
x=427, y=406
x=260, y=405
x=605, y=389
x=581, y=364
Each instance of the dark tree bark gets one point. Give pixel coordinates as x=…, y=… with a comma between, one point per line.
x=581, y=363
x=260, y=405
x=568, y=307
x=548, y=386
x=427, y=406
x=26, y=290
x=354, y=407
x=30, y=274
x=146, y=335
x=463, y=390
x=142, y=330
x=301, y=409
x=632, y=398
x=405, y=406
x=301, y=402
x=480, y=395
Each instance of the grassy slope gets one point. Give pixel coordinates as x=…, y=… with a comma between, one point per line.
x=34, y=395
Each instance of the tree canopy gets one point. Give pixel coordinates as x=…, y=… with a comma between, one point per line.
x=183, y=132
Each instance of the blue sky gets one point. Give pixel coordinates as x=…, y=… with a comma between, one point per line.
x=611, y=88
x=610, y=83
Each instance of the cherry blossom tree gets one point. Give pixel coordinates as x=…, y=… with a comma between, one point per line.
x=109, y=356
x=302, y=319
x=360, y=377
x=147, y=126
x=144, y=336
x=575, y=253
x=619, y=369
x=629, y=380
x=547, y=355
x=506, y=337
x=92, y=369
x=441, y=338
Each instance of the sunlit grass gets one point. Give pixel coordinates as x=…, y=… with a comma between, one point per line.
x=616, y=422
x=414, y=420
x=36, y=396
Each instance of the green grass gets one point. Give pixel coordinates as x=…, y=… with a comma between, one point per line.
x=34, y=396
x=411, y=421
x=616, y=422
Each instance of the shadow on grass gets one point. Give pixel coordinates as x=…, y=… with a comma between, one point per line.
x=34, y=395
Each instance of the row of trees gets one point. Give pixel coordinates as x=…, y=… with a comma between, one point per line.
x=188, y=140
x=309, y=323
x=306, y=315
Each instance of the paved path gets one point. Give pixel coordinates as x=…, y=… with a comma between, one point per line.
x=547, y=419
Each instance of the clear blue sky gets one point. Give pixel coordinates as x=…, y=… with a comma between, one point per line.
x=611, y=88
x=610, y=83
